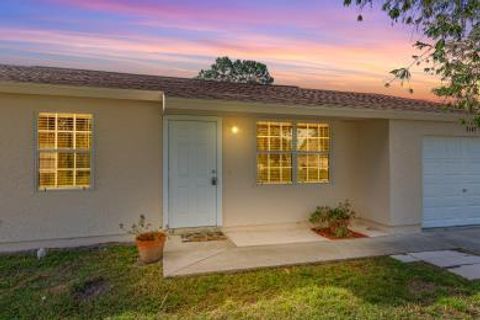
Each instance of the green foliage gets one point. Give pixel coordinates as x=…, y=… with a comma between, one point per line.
x=238, y=71
x=337, y=218
x=452, y=49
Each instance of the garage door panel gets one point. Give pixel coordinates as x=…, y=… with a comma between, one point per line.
x=441, y=202
x=441, y=190
x=451, y=223
x=452, y=213
x=445, y=167
x=451, y=181
x=459, y=179
x=473, y=201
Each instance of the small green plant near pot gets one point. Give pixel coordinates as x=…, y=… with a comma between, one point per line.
x=337, y=219
x=149, y=240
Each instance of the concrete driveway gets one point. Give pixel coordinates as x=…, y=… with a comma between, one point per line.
x=181, y=259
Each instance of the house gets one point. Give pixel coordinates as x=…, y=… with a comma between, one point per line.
x=82, y=151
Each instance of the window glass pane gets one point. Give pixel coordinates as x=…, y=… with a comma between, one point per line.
x=287, y=175
x=83, y=160
x=65, y=140
x=47, y=160
x=262, y=143
x=83, y=177
x=46, y=180
x=83, y=140
x=324, y=145
x=312, y=137
x=275, y=144
x=83, y=123
x=312, y=168
x=262, y=168
x=275, y=175
x=274, y=168
x=274, y=136
x=46, y=140
x=324, y=175
x=65, y=160
x=275, y=129
x=65, y=123
x=262, y=129
x=46, y=122
x=312, y=144
x=65, y=178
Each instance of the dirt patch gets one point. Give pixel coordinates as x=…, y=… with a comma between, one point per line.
x=325, y=232
x=418, y=286
x=91, y=289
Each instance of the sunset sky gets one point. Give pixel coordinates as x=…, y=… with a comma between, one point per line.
x=314, y=44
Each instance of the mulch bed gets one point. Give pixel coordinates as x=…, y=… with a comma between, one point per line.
x=325, y=232
x=203, y=236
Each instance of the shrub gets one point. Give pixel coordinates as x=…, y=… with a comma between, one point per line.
x=337, y=219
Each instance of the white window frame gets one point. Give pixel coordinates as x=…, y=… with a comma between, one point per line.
x=37, y=152
x=294, y=153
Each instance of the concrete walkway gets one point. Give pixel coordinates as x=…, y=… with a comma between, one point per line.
x=466, y=265
x=181, y=259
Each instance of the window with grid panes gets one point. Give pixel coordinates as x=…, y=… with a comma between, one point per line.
x=64, y=151
x=274, y=152
x=281, y=146
x=313, y=144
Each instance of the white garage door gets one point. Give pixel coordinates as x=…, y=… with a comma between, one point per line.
x=451, y=182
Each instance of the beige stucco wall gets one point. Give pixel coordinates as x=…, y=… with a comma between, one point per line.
x=372, y=171
x=406, y=166
x=246, y=203
x=375, y=163
x=127, y=171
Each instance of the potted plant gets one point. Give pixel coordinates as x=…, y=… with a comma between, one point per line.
x=337, y=219
x=149, y=240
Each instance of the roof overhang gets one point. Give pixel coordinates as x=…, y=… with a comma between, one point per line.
x=79, y=91
x=215, y=106
x=176, y=105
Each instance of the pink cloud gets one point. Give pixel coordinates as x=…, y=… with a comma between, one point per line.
x=302, y=62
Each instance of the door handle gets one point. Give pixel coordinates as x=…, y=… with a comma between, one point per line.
x=214, y=181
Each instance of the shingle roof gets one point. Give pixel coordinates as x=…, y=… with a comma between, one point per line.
x=200, y=89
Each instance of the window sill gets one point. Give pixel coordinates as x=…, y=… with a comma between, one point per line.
x=45, y=190
x=293, y=183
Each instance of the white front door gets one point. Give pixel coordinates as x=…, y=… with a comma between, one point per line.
x=451, y=181
x=192, y=173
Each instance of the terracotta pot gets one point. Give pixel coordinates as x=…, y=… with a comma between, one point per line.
x=151, y=250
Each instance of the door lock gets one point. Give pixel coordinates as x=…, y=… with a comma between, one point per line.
x=214, y=181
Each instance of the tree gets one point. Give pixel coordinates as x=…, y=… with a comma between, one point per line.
x=451, y=49
x=238, y=71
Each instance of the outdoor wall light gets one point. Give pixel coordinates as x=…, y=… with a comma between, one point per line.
x=235, y=129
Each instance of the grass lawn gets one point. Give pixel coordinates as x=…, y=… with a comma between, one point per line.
x=107, y=283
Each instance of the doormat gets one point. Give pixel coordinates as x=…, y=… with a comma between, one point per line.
x=203, y=236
